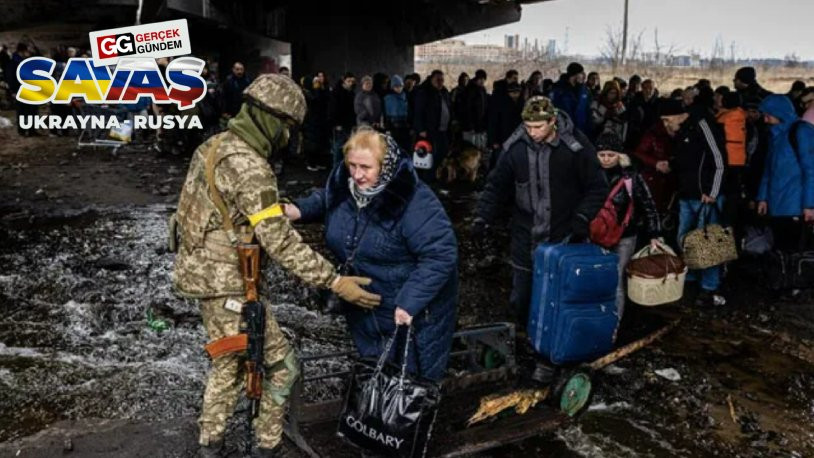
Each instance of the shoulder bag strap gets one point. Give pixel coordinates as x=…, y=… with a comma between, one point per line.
x=349, y=261
x=628, y=182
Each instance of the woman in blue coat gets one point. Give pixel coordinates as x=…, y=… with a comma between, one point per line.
x=376, y=209
x=787, y=189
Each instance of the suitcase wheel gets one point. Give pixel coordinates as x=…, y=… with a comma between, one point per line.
x=573, y=392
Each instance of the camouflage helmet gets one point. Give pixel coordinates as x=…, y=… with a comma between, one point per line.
x=277, y=94
x=538, y=108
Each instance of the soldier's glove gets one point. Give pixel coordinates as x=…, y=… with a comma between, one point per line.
x=348, y=288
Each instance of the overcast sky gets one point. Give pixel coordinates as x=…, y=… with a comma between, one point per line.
x=759, y=28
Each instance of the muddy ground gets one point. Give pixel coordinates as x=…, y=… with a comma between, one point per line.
x=82, y=250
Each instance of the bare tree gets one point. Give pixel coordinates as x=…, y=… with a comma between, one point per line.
x=611, y=50
x=792, y=60
x=636, y=49
x=662, y=55
x=716, y=57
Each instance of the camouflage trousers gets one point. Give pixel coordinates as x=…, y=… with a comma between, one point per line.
x=227, y=378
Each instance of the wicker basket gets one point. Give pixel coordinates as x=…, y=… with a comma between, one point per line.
x=656, y=286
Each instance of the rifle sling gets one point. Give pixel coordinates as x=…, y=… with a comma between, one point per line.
x=214, y=194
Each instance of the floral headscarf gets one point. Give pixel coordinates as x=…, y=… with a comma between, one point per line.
x=389, y=165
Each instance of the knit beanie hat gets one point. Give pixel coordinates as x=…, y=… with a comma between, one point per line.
x=670, y=107
x=609, y=141
x=396, y=80
x=574, y=68
x=538, y=108
x=747, y=75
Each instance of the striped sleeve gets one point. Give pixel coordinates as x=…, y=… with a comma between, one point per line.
x=719, y=158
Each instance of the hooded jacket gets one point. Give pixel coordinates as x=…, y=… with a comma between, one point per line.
x=395, y=109
x=570, y=188
x=788, y=177
x=699, y=157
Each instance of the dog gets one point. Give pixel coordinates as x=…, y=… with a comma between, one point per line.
x=467, y=161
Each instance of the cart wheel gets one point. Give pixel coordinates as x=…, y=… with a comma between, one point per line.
x=492, y=359
x=573, y=392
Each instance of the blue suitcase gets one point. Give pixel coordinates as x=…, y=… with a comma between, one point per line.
x=573, y=316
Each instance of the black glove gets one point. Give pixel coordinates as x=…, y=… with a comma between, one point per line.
x=478, y=229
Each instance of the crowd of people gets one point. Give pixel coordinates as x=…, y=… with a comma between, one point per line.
x=737, y=155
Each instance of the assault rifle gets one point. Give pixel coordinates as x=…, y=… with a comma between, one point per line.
x=254, y=325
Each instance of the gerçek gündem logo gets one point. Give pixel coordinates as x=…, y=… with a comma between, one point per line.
x=123, y=71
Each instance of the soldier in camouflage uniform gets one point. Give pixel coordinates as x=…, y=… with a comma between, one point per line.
x=206, y=265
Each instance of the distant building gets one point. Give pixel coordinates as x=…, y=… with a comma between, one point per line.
x=551, y=48
x=457, y=51
x=685, y=61
x=511, y=41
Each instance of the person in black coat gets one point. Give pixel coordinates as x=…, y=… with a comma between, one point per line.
x=699, y=152
x=548, y=174
x=341, y=114
x=232, y=90
x=504, y=117
x=315, y=125
x=433, y=114
x=644, y=113
x=645, y=217
x=473, y=107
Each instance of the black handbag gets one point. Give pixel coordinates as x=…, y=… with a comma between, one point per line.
x=386, y=412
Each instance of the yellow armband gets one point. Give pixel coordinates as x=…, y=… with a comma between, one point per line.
x=266, y=213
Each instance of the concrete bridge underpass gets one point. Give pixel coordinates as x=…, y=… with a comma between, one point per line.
x=338, y=36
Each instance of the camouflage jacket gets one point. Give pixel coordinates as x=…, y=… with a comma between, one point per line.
x=206, y=264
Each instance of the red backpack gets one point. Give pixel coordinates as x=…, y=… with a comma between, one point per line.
x=606, y=231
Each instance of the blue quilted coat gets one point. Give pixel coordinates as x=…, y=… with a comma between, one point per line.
x=408, y=248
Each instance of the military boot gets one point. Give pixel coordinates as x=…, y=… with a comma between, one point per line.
x=213, y=450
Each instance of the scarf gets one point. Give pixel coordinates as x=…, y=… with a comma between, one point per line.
x=386, y=174
x=263, y=131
